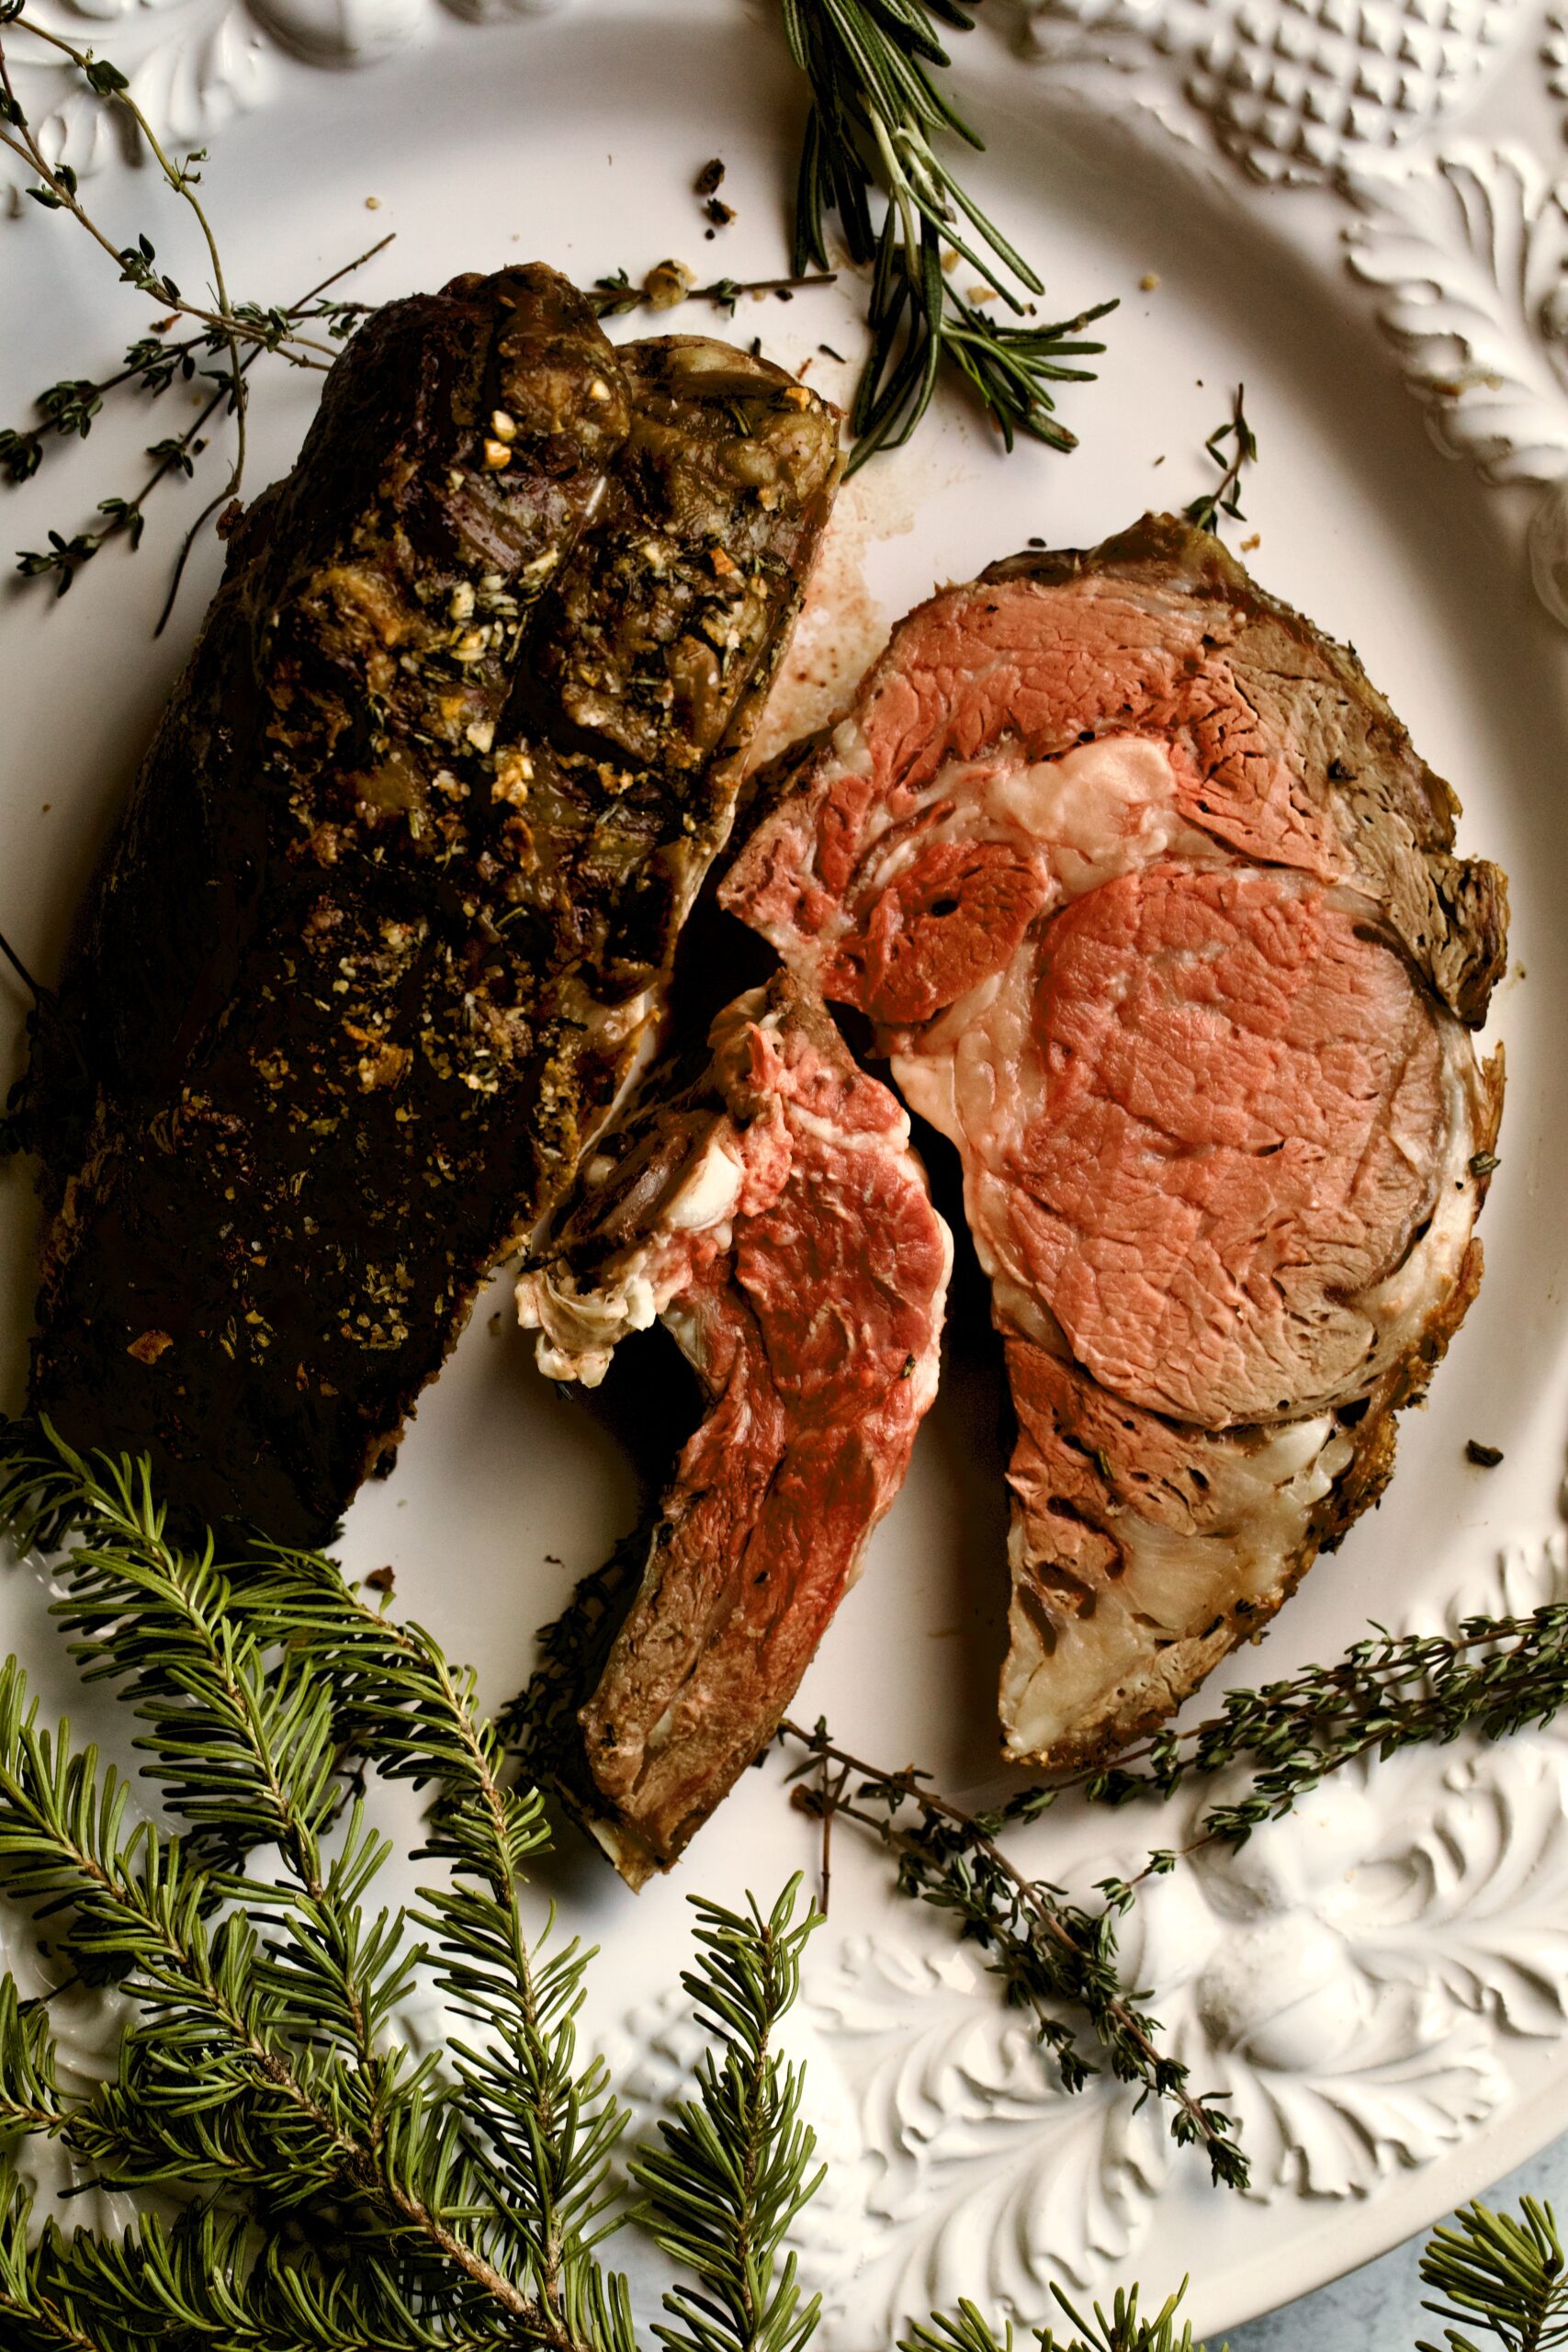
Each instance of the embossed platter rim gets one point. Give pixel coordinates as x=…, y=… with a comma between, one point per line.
x=1381, y=1982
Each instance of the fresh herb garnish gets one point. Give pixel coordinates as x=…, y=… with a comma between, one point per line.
x=321, y=2186
x=233, y=333
x=1493, y=1676
x=163, y=366
x=332, y=2187
x=876, y=112
x=1056, y=1959
x=1232, y=446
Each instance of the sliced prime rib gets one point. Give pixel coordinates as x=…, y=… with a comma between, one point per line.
x=1158, y=913
x=771, y=1214
x=386, y=926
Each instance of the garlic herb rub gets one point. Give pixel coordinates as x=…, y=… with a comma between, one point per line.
x=383, y=928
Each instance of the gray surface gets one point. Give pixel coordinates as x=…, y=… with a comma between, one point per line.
x=1378, y=2309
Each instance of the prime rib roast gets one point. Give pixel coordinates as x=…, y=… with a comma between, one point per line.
x=1141, y=885
x=1158, y=915
x=768, y=1209
x=387, y=928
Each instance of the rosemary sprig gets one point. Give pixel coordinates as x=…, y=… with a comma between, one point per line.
x=877, y=111
x=1049, y=1952
x=1009, y=368
x=1233, y=446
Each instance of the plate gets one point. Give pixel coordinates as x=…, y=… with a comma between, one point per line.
x=1357, y=223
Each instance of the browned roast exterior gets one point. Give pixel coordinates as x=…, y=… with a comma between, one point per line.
x=387, y=923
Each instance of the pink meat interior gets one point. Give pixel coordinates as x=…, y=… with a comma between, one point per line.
x=1243, y=1099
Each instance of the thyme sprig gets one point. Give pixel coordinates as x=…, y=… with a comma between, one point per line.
x=669, y=283
x=877, y=112
x=160, y=368
x=1050, y=1955
x=1233, y=446
x=1493, y=1675
x=234, y=334
x=57, y=190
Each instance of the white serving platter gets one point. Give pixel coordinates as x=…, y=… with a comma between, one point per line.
x=1353, y=212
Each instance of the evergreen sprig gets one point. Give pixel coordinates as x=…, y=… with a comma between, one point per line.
x=1122, y=2328
x=877, y=119
x=1503, y=2275
x=735, y=2167
x=323, y=2189
x=263, y=2067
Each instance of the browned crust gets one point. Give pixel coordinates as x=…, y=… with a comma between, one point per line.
x=390, y=918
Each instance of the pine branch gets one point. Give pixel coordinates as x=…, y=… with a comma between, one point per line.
x=735, y=2167
x=1505, y=2276
x=257, y=2065
x=1122, y=2329
x=1049, y=1953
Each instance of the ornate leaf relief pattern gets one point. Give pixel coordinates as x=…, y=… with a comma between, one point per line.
x=1346, y=1979
x=194, y=63
x=985, y=2178
x=1346, y=1976
x=1526, y=1573
x=1469, y=252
